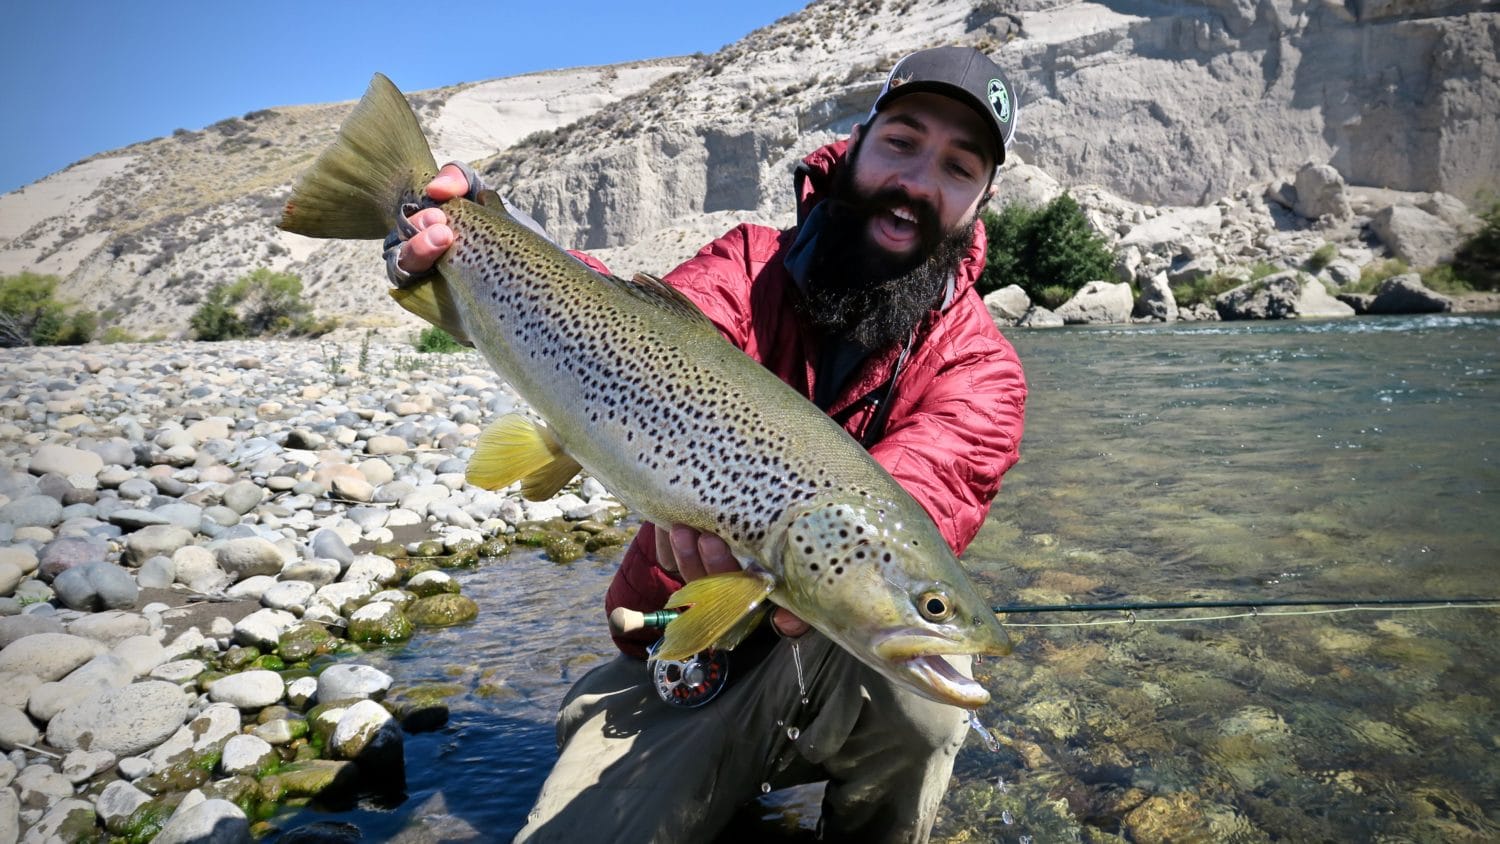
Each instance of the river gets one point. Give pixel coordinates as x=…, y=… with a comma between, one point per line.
x=1221, y=461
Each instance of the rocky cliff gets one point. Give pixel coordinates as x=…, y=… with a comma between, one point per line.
x=1131, y=104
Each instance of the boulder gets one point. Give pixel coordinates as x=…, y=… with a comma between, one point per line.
x=1415, y=236
x=247, y=557
x=1284, y=295
x=1156, y=301
x=1098, y=302
x=1406, y=294
x=1040, y=317
x=1008, y=304
x=1320, y=193
x=50, y=656
x=210, y=822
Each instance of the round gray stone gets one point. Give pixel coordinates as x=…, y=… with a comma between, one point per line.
x=16, y=728
x=155, y=540
x=210, y=822
x=242, y=558
x=50, y=656
x=248, y=690
x=96, y=586
x=65, y=460
x=351, y=681
x=242, y=496
x=32, y=511
x=246, y=754
x=124, y=722
x=329, y=545
x=156, y=573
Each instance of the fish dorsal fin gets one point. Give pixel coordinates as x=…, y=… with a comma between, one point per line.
x=716, y=618
x=432, y=301
x=515, y=448
x=649, y=288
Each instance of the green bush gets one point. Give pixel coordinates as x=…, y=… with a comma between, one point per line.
x=1321, y=258
x=261, y=302
x=31, y=315
x=434, y=339
x=1039, y=248
x=1477, y=261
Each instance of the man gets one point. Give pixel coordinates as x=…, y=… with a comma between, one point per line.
x=867, y=307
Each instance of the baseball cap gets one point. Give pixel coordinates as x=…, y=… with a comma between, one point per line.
x=966, y=75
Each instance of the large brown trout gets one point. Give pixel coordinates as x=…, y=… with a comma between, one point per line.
x=638, y=389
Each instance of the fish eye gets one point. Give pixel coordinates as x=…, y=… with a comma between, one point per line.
x=935, y=606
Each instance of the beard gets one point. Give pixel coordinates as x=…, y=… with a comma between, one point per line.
x=864, y=294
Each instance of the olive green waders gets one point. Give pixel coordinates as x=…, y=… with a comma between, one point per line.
x=634, y=769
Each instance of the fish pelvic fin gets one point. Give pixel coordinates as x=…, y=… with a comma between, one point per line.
x=431, y=300
x=355, y=188
x=723, y=610
x=515, y=448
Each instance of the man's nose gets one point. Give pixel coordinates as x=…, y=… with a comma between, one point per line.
x=919, y=177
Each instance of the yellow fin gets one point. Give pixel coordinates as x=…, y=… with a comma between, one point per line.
x=516, y=449
x=720, y=602
x=431, y=301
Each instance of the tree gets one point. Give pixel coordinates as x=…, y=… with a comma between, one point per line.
x=1053, y=246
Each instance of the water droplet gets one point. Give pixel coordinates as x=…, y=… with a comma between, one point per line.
x=1007, y=818
x=765, y=788
x=1025, y=839
x=792, y=733
x=804, y=701
x=989, y=740
x=797, y=661
x=780, y=722
x=1000, y=785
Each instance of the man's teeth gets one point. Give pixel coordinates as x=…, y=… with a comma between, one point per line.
x=903, y=214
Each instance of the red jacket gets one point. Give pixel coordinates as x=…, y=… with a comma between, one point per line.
x=955, y=422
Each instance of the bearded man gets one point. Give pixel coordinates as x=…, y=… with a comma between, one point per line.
x=868, y=308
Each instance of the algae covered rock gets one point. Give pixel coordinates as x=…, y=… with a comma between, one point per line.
x=442, y=611
x=305, y=640
x=379, y=622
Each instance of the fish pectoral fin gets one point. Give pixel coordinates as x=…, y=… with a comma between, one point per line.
x=720, y=605
x=431, y=301
x=515, y=448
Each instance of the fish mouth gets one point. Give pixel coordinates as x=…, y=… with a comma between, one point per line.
x=918, y=656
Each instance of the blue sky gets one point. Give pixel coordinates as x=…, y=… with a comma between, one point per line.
x=84, y=77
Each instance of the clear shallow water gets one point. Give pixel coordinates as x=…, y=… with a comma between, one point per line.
x=1345, y=459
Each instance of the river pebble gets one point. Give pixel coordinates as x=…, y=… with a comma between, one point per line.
x=164, y=527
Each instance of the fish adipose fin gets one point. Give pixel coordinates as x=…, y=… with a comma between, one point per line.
x=432, y=301
x=720, y=604
x=515, y=448
x=356, y=187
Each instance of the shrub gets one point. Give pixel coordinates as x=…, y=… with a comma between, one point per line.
x=1038, y=248
x=216, y=319
x=31, y=315
x=1321, y=258
x=434, y=339
x=261, y=302
x=1477, y=261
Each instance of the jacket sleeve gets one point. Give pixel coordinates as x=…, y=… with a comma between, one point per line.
x=959, y=435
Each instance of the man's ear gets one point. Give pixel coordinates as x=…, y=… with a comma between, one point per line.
x=859, y=129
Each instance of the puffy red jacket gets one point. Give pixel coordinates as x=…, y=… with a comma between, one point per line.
x=955, y=420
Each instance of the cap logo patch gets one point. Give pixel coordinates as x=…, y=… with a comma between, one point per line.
x=999, y=100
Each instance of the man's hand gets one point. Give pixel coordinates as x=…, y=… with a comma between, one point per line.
x=433, y=235
x=691, y=555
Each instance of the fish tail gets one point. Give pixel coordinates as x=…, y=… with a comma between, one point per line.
x=379, y=160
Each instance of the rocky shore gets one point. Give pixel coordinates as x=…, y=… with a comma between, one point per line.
x=196, y=542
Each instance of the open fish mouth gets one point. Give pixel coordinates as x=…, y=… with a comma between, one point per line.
x=945, y=682
x=918, y=656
